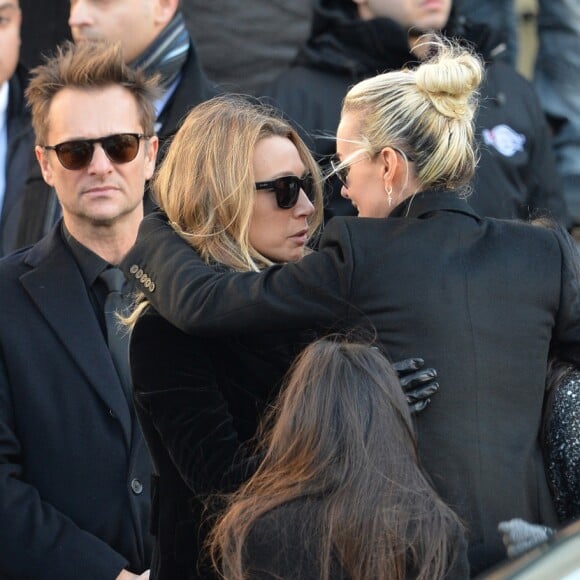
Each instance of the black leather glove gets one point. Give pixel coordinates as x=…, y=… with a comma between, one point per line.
x=418, y=383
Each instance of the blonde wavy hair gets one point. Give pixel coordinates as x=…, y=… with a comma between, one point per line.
x=205, y=184
x=427, y=113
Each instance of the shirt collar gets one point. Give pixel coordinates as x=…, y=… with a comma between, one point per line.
x=88, y=262
x=3, y=103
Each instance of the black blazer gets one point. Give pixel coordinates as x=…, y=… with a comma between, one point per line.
x=199, y=403
x=480, y=299
x=74, y=469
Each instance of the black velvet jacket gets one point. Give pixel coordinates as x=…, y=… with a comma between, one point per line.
x=199, y=402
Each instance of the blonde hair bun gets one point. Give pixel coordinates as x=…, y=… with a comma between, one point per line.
x=450, y=79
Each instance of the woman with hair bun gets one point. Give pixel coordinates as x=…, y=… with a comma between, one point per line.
x=482, y=300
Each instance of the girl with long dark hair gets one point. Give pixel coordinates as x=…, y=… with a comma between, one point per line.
x=340, y=493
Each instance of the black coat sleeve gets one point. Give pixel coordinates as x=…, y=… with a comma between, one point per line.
x=197, y=299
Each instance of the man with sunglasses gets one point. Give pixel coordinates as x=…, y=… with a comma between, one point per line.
x=74, y=469
x=155, y=38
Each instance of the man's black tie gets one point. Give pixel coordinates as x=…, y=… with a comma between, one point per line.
x=117, y=334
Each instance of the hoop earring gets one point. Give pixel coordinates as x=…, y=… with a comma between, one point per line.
x=389, y=192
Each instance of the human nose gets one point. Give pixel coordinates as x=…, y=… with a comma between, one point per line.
x=304, y=206
x=79, y=15
x=100, y=163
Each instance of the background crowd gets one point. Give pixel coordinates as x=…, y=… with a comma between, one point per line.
x=177, y=462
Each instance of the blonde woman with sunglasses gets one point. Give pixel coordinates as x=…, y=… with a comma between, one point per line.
x=483, y=300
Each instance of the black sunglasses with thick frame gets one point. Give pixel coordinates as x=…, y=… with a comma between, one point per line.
x=78, y=153
x=287, y=189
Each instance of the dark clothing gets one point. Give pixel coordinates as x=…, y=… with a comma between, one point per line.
x=517, y=175
x=199, y=403
x=20, y=157
x=562, y=448
x=40, y=209
x=235, y=39
x=44, y=26
x=193, y=88
x=480, y=299
x=284, y=543
x=74, y=469
x=40, y=206
x=90, y=266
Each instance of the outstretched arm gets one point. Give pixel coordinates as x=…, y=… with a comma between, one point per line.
x=197, y=299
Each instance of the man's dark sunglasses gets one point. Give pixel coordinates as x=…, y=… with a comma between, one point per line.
x=120, y=148
x=287, y=189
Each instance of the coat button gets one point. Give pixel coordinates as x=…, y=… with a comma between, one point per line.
x=133, y=268
x=136, y=486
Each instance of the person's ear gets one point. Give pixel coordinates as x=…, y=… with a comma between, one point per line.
x=45, y=164
x=390, y=164
x=151, y=147
x=165, y=10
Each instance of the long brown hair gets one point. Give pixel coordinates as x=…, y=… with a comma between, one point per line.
x=342, y=433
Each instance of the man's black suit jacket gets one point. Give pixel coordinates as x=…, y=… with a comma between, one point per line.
x=74, y=469
x=482, y=300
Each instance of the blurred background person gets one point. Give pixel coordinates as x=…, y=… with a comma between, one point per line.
x=500, y=16
x=557, y=80
x=556, y=75
x=245, y=44
x=16, y=137
x=44, y=27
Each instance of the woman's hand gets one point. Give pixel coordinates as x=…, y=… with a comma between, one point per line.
x=419, y=384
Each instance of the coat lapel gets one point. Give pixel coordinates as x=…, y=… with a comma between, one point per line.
x=56, y=286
